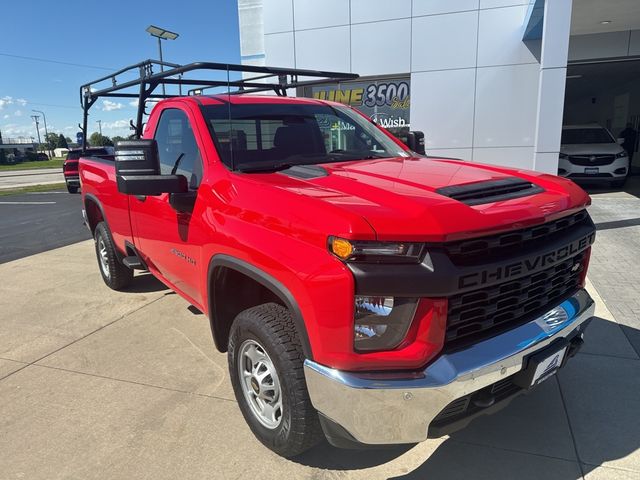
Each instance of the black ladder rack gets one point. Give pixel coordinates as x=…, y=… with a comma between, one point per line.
x=275, y=79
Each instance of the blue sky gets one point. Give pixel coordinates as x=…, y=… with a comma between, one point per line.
x=108, y=34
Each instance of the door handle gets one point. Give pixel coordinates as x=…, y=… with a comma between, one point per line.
x=141, y=198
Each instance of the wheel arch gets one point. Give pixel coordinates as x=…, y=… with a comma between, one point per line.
x=94, y=212
x=220, y=326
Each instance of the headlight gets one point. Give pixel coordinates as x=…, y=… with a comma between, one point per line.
x=375, y=252
x=381, y=323
x=563, y=156
x=622, y=154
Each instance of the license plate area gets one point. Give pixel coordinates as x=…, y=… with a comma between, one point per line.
x=542, y=365
x=591, y=170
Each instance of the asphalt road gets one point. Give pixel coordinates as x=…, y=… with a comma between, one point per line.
x=36, y=222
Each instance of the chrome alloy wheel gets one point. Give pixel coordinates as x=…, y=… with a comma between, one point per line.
x=260, y=384
x=103, y=257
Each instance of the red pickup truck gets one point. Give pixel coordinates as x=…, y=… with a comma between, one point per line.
x=70, y=165
x=363, y=292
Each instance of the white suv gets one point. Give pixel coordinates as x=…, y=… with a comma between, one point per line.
x=589, y=153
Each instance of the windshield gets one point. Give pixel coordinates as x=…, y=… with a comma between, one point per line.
x=572, y=136
x=271, y=136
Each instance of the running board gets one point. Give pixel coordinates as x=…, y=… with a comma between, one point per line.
x=134, y=263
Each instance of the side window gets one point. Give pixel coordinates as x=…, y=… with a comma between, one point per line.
x=177, y=147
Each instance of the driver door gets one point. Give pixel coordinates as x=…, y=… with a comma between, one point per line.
x=171, y=241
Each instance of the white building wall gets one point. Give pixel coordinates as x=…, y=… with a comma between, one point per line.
x=474, y=82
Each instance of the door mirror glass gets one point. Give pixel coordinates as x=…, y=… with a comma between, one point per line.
x=620, y=141
x=138, y=170
x=137, y=157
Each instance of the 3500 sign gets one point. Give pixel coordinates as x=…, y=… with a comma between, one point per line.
x=387, y=94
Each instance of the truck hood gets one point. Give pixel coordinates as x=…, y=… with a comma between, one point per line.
x=398, y=197
x=591, y=149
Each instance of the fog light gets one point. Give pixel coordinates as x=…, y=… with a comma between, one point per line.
x=381, y=323
x=620, y=171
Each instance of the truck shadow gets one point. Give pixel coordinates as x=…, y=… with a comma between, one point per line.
x=145, y=282
x=564, y=429
x=632, y=187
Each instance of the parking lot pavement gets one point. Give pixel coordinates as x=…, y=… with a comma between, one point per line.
x=615, y=262
x=103, y=384
x=39, y=221
x=26, y=178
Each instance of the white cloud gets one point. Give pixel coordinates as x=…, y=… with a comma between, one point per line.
x=117, y=125
x=6, y=116
x=15, y=130
x=134, y=103
x=8, y=100
x=108, y=105
x=17, y=113
x=4, y=101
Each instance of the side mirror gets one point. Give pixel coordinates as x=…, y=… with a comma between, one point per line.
x=138, y=170
x=415, y=141
x=620, y=141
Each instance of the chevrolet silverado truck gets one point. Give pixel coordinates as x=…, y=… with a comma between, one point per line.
x=363, y=292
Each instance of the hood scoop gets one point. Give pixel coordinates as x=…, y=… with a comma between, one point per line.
x=491, y=191
x=305, y=172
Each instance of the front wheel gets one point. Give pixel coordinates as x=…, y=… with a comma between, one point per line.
x=266, y=370
x=114, y=273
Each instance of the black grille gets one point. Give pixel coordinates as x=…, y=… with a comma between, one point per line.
x=592, y=160
x=488, y=311
x=491, y=191
x=486, y=249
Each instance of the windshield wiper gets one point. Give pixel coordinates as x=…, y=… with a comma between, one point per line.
x=288, y=162
x=273, y=167
x=358, y=154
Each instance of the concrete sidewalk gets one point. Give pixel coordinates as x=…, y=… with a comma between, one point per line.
x=100, y=384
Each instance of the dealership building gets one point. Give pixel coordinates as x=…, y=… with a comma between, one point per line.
x=488, y=81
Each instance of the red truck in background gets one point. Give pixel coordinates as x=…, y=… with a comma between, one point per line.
x=70, y=165
x=363, y=292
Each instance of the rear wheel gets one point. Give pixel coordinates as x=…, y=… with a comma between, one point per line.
x=72, y=189
x=114, y=273
x=266, y=370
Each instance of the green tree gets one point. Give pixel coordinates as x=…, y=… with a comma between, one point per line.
x=62, y=142
x=50, y=141
x=117, y=138
x=98, y=140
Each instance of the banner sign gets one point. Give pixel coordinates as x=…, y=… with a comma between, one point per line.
x=385, y=100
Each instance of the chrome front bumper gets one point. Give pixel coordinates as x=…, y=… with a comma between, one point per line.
x=391, y=408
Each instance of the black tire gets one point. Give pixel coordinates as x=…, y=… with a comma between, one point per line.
x=271, y=326
x=114, y=273
x=72, y=189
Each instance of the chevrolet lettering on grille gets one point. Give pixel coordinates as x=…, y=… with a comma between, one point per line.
x=522, y=267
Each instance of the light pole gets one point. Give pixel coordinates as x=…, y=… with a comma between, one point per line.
x=99, y=122
x=46, y=132
x=161, y=34
x=35, y=119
